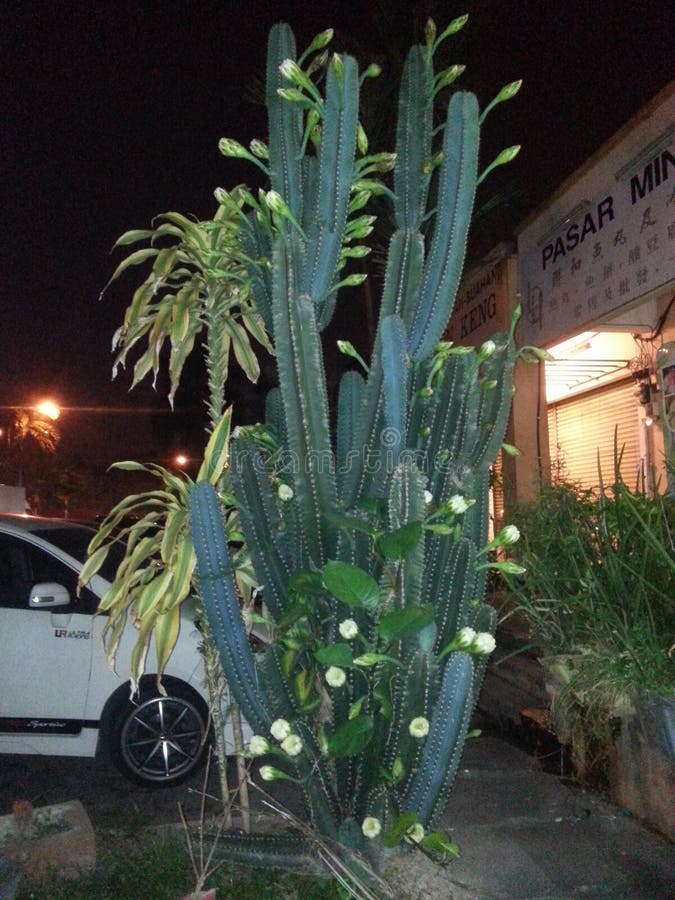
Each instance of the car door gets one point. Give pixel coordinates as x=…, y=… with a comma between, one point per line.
x=45, y=653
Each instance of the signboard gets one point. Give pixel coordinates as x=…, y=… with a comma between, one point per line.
x=481, y=305
x=605, y=252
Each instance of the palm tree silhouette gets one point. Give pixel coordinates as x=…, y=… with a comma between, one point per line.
x=29, y=428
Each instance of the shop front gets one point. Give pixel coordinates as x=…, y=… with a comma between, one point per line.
x=596, y=277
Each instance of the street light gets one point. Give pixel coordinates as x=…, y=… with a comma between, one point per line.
x=48, y=409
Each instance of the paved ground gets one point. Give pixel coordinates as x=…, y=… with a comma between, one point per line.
x=110, y=800
x=525, y=835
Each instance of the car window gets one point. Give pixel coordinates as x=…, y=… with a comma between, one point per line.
x=75, y=540
x=23, y=565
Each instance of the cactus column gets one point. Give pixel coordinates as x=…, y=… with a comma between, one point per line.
x=367, y=535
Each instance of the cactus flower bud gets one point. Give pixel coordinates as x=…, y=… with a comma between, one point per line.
x=509, y=534
x=373, y=71
x=280, y=729
x=269, y=773
x=275, y=202
x=509, y=90
x=321, y=40
x=291, y=70
x=230, y=147
x=428, y=497
x=419, y=727
x=362, y=140
x=371, y=827
x=338, y=66
x=259, y=149
x=487, y=349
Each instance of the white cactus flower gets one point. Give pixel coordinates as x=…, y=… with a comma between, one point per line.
x=280, y=729
x=348, y=629
x=428, y=497
x=258, y=745
x=335, y=676
x=416, y=833
x=419, y=727
x=285, y=492
x=487, y=348
x=458, y=504
x=483, y=643
x=292, y=745
x=465, y=637
x=268, y=773
x=371, y=827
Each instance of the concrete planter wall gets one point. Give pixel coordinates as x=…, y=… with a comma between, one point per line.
x=642, y=769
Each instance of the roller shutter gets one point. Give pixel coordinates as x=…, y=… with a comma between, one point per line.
x=582, y=427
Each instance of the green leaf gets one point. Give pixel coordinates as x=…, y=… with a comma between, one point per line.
x=439, y=844
x=350, y=739
x=395, y=544
x=440, y=529
x=305, y=582
x=508, y=567
x=400, y=828
x=406, y=621
x=93, y=564
x=131, y=237
x=372, y=659
x=352, y=523
x=134, y=259
x=510, y=450
x=243, y=352
x=351, y=585
x=217, y=450
x=334, y=655
x=166, y=631
x=355, y=708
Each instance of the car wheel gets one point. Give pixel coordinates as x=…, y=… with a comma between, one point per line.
x=153, y=739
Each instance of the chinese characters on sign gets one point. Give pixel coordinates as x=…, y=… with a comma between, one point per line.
x=604, y=254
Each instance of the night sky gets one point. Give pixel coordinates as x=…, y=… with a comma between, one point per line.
x=112, y=111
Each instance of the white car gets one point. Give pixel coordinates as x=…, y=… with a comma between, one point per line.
x=58, y=695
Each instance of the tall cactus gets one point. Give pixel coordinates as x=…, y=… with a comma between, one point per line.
x=368, y=535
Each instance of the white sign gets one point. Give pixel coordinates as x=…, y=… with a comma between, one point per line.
x=604, y=253
x=481, y=304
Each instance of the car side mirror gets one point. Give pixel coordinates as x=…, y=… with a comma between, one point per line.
x=47, y=594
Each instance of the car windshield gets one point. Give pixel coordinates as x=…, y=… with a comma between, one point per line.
x=74, y=541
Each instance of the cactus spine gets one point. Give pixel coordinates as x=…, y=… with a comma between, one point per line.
x=390, y=549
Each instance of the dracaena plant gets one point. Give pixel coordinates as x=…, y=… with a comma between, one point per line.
x=196, y=294
x=368, y=535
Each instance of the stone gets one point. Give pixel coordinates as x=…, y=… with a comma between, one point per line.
x=55, y=839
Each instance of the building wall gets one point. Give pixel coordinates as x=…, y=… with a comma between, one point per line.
x=607, y=236
x=598, y=257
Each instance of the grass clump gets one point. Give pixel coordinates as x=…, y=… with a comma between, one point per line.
x=155, y=867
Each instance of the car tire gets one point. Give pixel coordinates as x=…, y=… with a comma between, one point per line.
x=153, y=739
